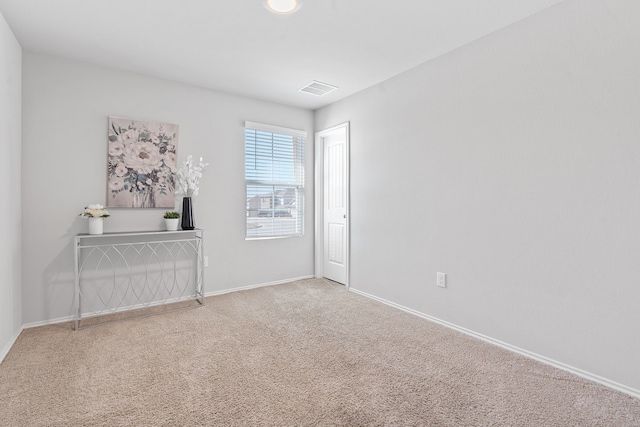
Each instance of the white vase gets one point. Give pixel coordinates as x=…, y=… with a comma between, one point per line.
x=96, y=225
x=172, y=223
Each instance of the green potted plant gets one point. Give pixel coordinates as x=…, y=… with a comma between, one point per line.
x=171, y=219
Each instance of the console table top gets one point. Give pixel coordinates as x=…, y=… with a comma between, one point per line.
x=135, y=233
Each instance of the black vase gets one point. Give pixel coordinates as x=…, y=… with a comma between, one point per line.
x=187, y=214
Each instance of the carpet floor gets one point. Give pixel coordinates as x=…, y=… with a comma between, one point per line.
x=306, y=353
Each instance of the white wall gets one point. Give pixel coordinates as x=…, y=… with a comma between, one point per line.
x=10, y=126
x=513, y=165
x=66, y=105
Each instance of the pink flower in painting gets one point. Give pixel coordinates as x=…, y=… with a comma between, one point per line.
x=116, y=184
x=129, y=136
x=153, y=137
x=121, y=170
x=116, y=148
x=142, y=156
x=171, y=161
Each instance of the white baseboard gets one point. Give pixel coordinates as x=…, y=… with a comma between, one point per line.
x=48, y=322
x=579, y=372
x=260, y=285
x=10, y=344
x=207, y=294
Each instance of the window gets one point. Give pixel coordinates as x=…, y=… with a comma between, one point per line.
x=274, y=178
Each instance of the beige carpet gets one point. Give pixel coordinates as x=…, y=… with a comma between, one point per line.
x=306, y=353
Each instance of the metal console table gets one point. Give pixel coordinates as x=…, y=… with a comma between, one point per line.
x=116, y=272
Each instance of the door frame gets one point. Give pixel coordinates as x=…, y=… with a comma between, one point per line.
x=319, y=201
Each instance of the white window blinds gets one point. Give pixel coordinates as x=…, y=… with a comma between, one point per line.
x=274, y=178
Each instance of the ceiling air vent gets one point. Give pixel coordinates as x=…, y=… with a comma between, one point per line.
x=318, y=88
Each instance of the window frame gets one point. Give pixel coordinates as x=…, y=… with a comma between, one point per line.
x=297, y=184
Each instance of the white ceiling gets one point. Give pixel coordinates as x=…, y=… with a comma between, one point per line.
x=237, y=46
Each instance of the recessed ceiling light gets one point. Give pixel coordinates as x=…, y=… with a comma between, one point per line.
x=283, y=6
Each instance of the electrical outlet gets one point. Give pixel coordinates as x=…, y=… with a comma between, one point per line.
x=206, y=261
x=442, y=280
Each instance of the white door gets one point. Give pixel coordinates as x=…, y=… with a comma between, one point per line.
x=335, y=223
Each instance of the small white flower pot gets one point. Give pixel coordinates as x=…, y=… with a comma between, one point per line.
x=96, y=225
x=172, y=223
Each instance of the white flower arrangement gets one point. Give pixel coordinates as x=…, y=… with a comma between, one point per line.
x=94, y=211
x=189, y=175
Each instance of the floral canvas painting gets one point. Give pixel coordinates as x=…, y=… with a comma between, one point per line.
x=142, y=164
